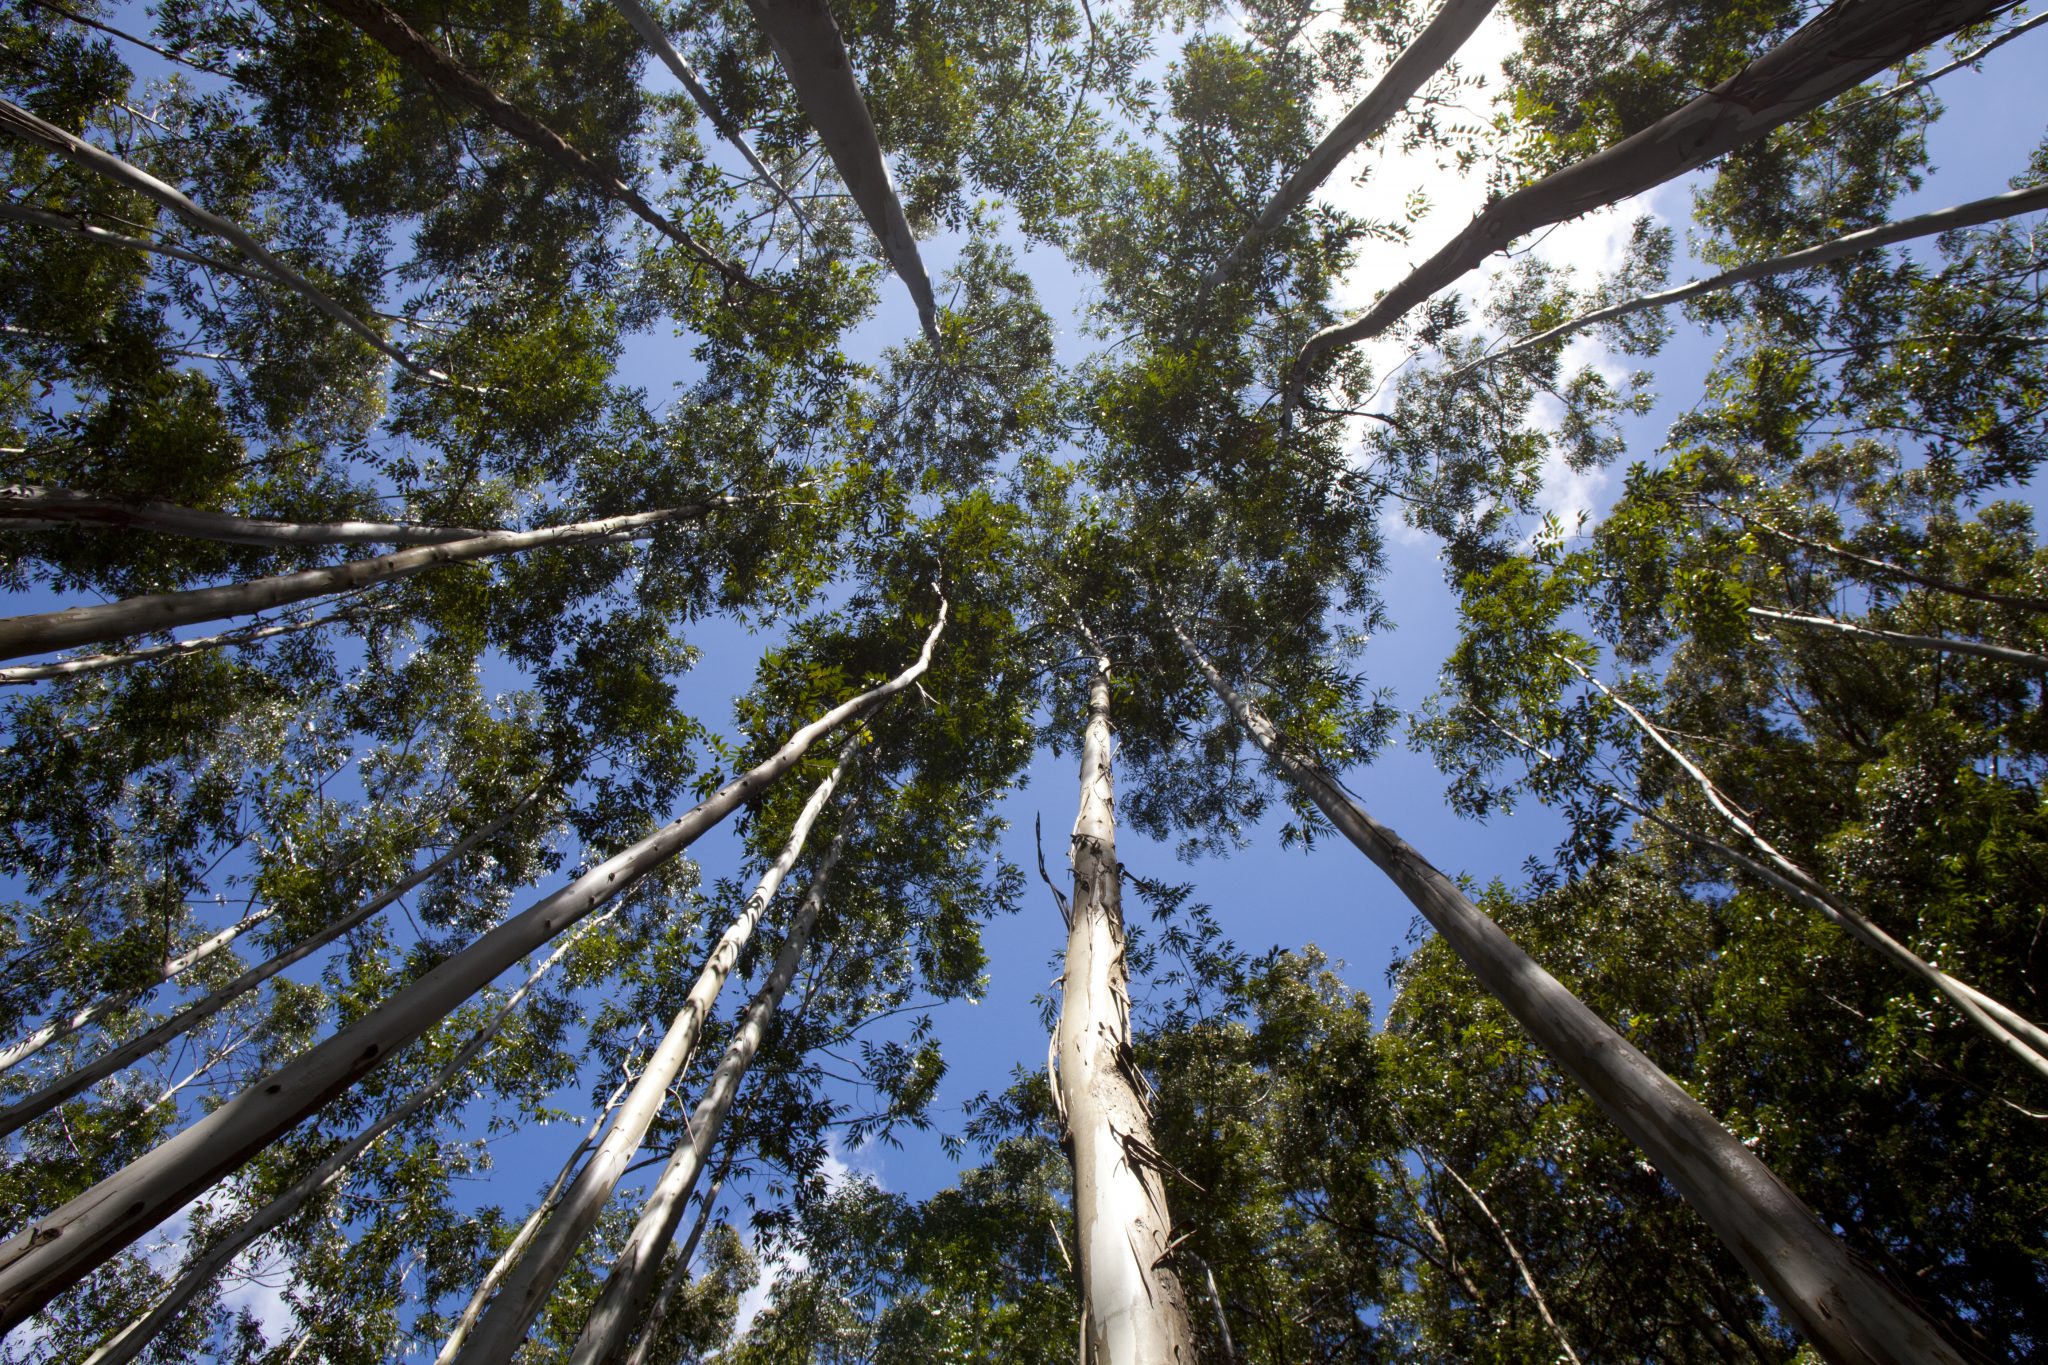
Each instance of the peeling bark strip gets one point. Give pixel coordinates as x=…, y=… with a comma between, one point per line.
x=1977, y=211
x=58, y=1250
x=651, y=32
x=29, y=128
x=431, y=64
x=619, y=1308
x=43, y=506
x=1849, y=42
x=1432, y=49
x=202, y=1269
x=525, y=1291
x=46, y=631
x=1136, y=1307
x=1845, y=1311
x=813, y=55
x=31, y=1107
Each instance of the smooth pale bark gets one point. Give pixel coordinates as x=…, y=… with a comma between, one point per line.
x=26, y=502
x=1848, y=1314
x=79, y=227
x=39, y=633
x=1900, y=572
x=24, y=125
x=619, y=1308
x=679, y=1272
x=34, y=1106
x=1137, y=1307
x=813, y=55
x=229, y=639
x=1514, y=1253
x=1937, y=644
x=1846, y=44
x=2011, y=1030
x=651, y=32
x=526, y=1290
x=64, y=1025
x=426, y=59
x=1432, y=49
x=523, y=1238
x=201, y=1270
x=56, y=1251
x=1976, y=212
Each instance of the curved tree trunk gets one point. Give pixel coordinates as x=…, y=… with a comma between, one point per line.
x=34, y=1106
x=1435, y=46
x=525, y=1292
x=27, y=502
x=39, y=633
x=201, y=1270
x=1137, y=1309
x=431, y=64
x=620, y=1305
x=24, y=125
x=1847, y=43
x=1849, y=1315
x=56, y=1251
x=2005, y=1026
x=813, y=55
x=1977, y=211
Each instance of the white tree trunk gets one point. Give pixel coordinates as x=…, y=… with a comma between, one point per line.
x=44, y=631
x=1137, y=1308
x=35, y=503
x=619, y=1307
x=202, y=1268
x=678, y=1274
x=57, y=1250
x=33, y=1106
x=24, y=125
x=807, y=42
x=1937, y=644
x=229, y=639
x=1847, y=43
x=1977, y=211
x=1847, y=1313
x=525, y=1292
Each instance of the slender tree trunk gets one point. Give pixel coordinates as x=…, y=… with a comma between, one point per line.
x=807, y=43
x=1514, y=1253
x=526, y=1290
x=24, y=125
x=1847, y=43
x=78, y=226
x=31, y=1107
x=1932, y=643
x=1849, y=1315
x=45, y=631
x=651, y=32
x=1998, y=206
x=523, y=1238
x=1432, y=49
x=2011, y=1030
x=1137, y=1308
x=59, y=1249
x=1899, y=571
x=64, y=1025
x=619, y=1308
x=679, y=1271
x=202, y=1269
x=430, y=63
x=231, y=639
x=42, y=505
